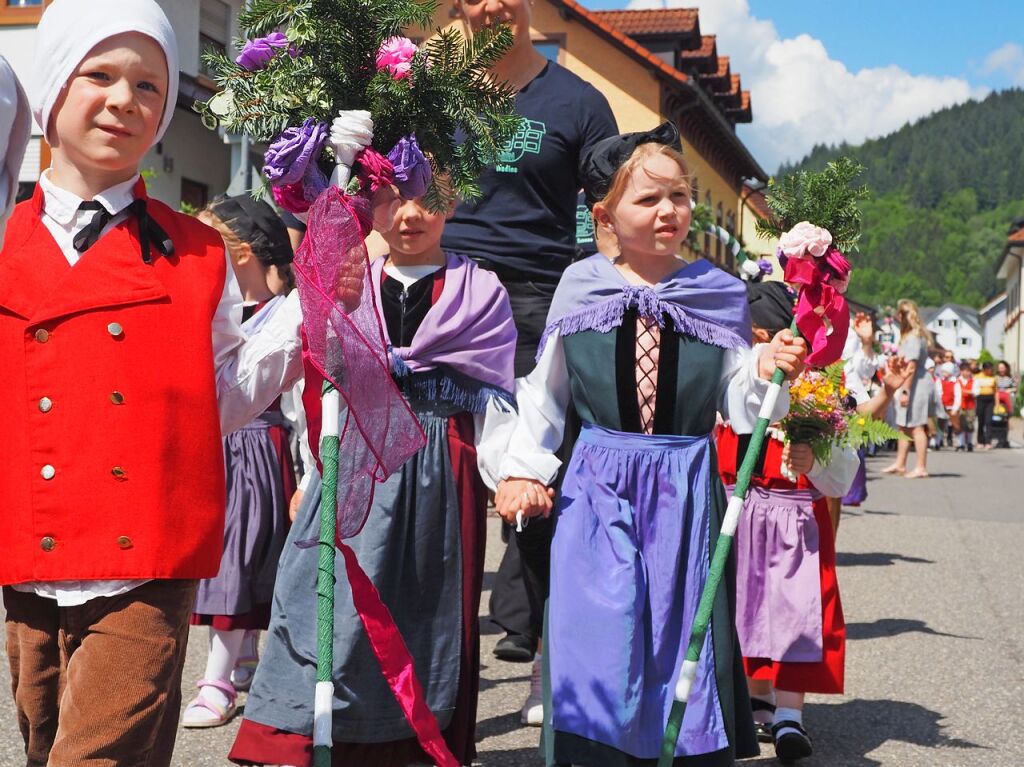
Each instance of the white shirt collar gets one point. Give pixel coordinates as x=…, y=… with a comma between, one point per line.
x=62, y=205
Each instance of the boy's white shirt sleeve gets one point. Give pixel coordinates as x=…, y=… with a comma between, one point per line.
x=957, y=398
x=742, y=390
x=835, y=479
x=251, y=372
x=543, y=397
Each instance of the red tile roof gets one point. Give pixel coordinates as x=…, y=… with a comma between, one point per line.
x=707, y=48
x=660, y=21
x=1017, y=236
x=755, y=199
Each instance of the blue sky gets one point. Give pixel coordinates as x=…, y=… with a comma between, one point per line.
x=827, y=72
x=924, y=37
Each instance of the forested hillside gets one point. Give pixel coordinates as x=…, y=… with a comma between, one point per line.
x=945, y=190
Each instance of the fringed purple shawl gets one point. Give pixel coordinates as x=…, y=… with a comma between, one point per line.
x=466, y=342
x=701, y=301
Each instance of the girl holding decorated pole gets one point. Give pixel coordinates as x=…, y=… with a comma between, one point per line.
x=640, y=506
x=452, y=343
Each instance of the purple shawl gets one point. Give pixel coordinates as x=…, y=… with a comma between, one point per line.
x=701, y=300
x=467, y=337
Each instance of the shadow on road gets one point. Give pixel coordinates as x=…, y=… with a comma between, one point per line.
x=890, y=627
x=876, y=559
x=497, y=726
x=846, y=733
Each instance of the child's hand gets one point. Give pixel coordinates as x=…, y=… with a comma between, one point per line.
x=897, y=372
x=797, y=457
x=526, y=495
x=293, y=504
x=785, y=353
x=863, y=327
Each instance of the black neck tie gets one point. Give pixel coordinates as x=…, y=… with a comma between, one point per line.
x=149, y=230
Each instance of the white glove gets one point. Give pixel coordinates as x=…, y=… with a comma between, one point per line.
x=351, y=132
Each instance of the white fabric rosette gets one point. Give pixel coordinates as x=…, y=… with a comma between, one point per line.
x=351, y=132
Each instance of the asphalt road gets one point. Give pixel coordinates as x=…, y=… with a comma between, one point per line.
x=931, y=574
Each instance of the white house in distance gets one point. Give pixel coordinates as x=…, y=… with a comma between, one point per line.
x=955, y=328
x=1011, y=269
x=993, y=321
x=191, y=164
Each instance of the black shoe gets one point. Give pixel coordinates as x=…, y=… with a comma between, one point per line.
x=515, y=648
x=794, y=744
x=764, y=731
x=970, y=448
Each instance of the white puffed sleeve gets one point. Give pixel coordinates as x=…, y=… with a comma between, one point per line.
x=835, y=479
x=543, y=398
x=742, y=390
x=493, y=431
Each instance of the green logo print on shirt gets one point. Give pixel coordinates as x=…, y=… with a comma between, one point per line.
x=584, y=225
x=526, y=141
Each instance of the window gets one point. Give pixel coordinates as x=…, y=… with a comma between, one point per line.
x=194, y=195
x=964, y=341
x=954, y=324
x=21, y=12
x=548, y=48
x=730, y=226
x=214, y=29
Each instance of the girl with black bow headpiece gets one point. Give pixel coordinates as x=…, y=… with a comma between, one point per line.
x=647, y=348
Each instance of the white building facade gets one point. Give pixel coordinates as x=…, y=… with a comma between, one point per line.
x=957, y=329
x=191, y=164
x=1011, y=269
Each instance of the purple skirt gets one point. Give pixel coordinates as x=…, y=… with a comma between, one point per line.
x=255, y=522
x=778, y=579
x=629, y=559
x=858, y=492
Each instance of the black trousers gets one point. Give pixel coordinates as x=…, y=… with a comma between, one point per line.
x=521, y=586
x=986, y=404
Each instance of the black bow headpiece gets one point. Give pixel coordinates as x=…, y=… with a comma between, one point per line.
x=771, y=305
x=602, y=160
x=256, y=223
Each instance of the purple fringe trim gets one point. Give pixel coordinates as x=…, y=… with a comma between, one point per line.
x=607, y=315
x=450, y=386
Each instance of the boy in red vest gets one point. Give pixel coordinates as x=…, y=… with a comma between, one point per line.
x=968, y=408
x=124, y=363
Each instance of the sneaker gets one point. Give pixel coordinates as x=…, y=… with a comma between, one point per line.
x=532, y=714
x=791, y=741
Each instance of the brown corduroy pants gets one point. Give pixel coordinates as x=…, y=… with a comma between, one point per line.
x=99, y=685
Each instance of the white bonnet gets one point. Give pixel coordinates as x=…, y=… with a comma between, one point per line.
x=70, y=29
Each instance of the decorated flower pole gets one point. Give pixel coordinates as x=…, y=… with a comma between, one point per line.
x=813, y=263
x=333, y=164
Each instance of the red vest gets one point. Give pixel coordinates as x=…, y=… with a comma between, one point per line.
x=949, y=392
x=967, y=393
x=112, y=458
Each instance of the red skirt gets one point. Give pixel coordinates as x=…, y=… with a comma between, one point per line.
x=826, y=676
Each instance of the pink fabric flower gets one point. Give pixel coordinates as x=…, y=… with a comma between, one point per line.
x=805, y=239
x=395, y=55
x=374, y=171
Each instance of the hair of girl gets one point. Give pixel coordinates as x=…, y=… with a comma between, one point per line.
x=910, y=320
x=604, y=233
x=261, y=247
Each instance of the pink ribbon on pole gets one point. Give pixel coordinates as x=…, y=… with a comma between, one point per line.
x=822, y=314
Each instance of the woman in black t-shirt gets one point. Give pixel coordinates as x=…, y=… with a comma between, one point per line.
x=523, y=228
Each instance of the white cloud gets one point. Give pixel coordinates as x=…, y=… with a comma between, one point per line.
x=1009, y=59
x=802, y=97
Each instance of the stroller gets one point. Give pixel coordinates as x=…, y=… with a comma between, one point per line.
x=999, y=431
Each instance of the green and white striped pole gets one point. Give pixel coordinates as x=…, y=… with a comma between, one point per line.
x=323, y=704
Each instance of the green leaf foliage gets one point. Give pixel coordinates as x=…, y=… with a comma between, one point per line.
x=829, y=198
x=449, y=93
x=946, y=189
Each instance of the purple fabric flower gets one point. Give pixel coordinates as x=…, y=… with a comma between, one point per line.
x=412, y=169
x=257, y=53
x=764, y=266
x=287, y=158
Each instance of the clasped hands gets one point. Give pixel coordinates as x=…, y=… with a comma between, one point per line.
x=529, y=496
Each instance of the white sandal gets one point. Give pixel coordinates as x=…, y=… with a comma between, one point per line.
x=222, y=714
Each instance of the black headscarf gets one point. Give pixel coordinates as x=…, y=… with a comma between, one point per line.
x=771, y=305
x=602, y=160
x=257, y=224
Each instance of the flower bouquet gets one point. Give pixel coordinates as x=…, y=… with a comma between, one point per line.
x=819, y=411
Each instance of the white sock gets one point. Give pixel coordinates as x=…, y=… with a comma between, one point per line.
x=224, y=648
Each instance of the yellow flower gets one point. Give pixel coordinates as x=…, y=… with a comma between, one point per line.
x=861, y=421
